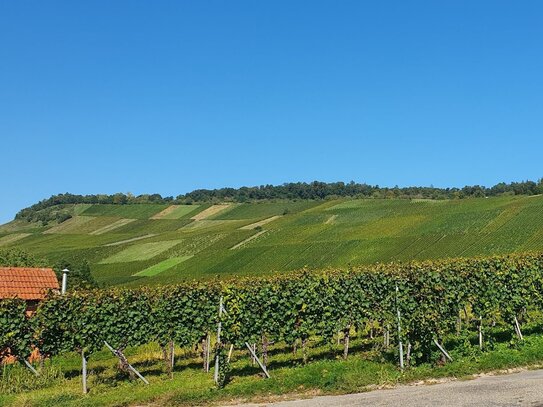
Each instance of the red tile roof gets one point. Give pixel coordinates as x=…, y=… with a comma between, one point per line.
x=26, y=283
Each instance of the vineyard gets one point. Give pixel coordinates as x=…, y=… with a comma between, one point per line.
x=415, y=307
x=124, y=243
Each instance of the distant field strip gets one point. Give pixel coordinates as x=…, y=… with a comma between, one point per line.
x=12, y=238
x=142, y=251
x=330, y=220
x=430, y=201
x=207, y=223
x=80, y=208
x=260, y=223
x=72, y=225
x=130, y=240
x=250, y=238
x=162, y=266
x=212, y=210
x=504, y=217
x=175, y=211
x=136, y=211
x=112, y=226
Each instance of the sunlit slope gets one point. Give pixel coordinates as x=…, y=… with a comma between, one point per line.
x=140, y=244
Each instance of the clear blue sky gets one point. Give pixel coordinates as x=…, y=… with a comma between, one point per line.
x=169, y=96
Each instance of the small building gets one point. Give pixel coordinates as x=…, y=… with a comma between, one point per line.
x=27, y=283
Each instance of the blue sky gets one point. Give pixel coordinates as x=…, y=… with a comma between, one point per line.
x=144, y=97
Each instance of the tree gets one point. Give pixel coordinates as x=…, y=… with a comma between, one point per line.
x=80, y=276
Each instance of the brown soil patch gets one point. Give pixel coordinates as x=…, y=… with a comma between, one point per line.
x=330, y=220
x=260, y=223
x=112, y=226
x=165, y=212
x=130, y=240
x=248, y=240
x=212, y=210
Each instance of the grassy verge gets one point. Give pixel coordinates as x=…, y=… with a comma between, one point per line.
x=366, y=368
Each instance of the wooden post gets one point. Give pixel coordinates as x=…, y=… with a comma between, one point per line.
x=346, y=337
x=481, y=332
x=208, y=350
x=172, y=357
x=400, y=344
x=84, y=371
x=219, y=327
x=442, y=349
x=204, y=353
x=253, y=353
x=121, y=356
x=264, y=349
x=304, y=350
x=387, y=342
x=230, y=352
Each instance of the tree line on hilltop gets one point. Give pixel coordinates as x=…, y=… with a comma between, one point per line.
x=52, y=208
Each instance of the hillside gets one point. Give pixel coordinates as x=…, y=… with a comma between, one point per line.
x=163, y=243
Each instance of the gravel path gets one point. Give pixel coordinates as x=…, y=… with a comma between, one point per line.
x=517, y=389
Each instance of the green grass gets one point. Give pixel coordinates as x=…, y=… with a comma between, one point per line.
x=360, y=232
x=140, y=251
x=162, y=266
x=12, y=238
x=326, y=373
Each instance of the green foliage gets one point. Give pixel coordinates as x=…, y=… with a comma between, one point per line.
x=19, y=258
x=224, y=365
x=430, y=297
x=47, y=215
x=80, y=276
x=16, y=334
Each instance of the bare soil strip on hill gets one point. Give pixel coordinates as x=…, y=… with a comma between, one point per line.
x=70, y=225
x=260, y=223
x=250, y=238
x=112, y=226
x=131, y=240
x=165, y=212
x=330, y=220
x=12, y=238
x=212, y=210
x=207, y=223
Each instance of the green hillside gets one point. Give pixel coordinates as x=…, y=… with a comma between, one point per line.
x=161, y=243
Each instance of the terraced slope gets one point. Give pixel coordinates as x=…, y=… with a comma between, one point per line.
x=140, y=244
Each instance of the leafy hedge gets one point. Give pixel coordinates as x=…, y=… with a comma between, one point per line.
x=431, y=296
